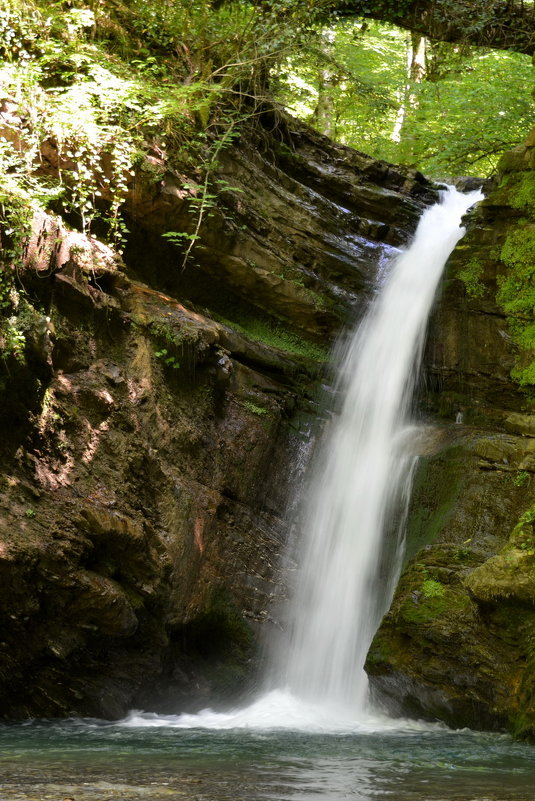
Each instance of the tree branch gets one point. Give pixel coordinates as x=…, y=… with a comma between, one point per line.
x=500, y=24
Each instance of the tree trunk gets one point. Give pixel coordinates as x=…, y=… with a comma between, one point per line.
x=416, y=67
x=324, y=113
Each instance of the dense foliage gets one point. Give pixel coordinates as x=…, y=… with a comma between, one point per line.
x=455, y=117
x=89, y=90
x=99, y=83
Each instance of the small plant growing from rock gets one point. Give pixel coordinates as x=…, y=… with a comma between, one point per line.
x=521, y=478
x=170, y=361
x=254, y=408
x=432, y=588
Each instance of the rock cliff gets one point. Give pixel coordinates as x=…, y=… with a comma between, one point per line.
x=152, y=416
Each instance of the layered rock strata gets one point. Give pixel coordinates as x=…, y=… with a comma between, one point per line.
x=152, y=422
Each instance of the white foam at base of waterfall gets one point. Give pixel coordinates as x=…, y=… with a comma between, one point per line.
x=279, y=710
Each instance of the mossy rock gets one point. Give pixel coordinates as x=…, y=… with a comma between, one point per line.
x=509, y=577
x=459, y=639
x=497, y=450
x=506, y=578
x=430, y=592
x=434, y=611
x=513, y=161
x=523, y=424
x=519, y=190
x=432, y=501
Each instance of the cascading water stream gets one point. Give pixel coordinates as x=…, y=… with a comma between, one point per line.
x=362, y=478
x=363, y=475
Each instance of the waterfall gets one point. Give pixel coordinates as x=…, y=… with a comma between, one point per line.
x=363, y=474
x=362, y=480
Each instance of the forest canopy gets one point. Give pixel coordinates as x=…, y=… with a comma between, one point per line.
x=93, y=93
x=88, y=88
x=501, y=24
x=447, y=109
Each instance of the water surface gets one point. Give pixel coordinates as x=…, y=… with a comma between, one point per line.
x=164, y=758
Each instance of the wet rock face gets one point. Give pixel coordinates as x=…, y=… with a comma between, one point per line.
x=298, y=233
x=147, y=445
x=136, y=501
x=479, y=343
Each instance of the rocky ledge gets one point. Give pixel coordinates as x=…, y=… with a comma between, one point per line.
x=457, y=643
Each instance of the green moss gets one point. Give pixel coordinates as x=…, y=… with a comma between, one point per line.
x=320, y=302
x=437, y=483
x=429, y=592
x=432, y=589
x=437, y=609
x=422, y=611
x=518, y=250
x=521, y=190
x=516, y=296
x=169, y=335
x=521, y=478
x=283, y=151
x=525, y=376
x=276, y=336
x=254, y=408
x=381, y=650
x=522, y=628
x=470, y=276
x=525, y=333
x=522, y=534
x=508, y=578
x=171, y=342
x=522, y=726
x=465, y=556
